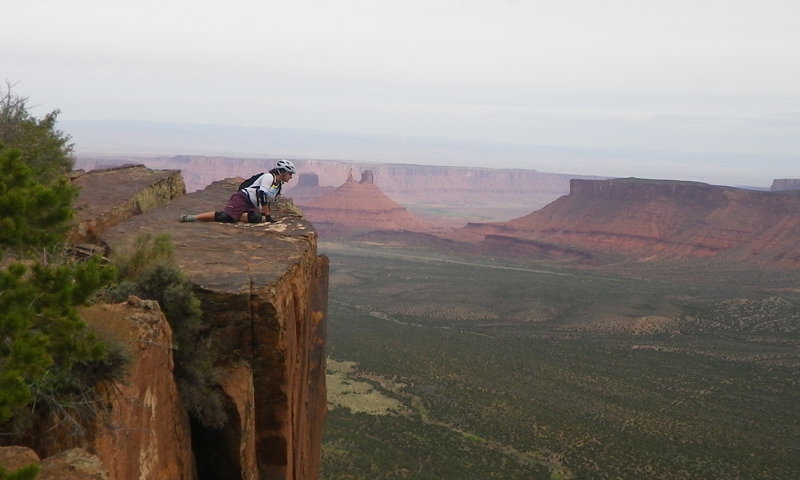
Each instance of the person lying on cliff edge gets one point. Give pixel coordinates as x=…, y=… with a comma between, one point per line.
x=251, y=202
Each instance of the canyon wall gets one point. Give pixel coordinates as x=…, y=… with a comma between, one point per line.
x=264, y=296
x=461, y=192
x=645, y=220
x=360, y=207
x=783, y=184
x=110, y=196
x=140, y=430
x=263, y=290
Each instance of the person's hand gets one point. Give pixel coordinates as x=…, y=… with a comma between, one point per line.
x=267, y=218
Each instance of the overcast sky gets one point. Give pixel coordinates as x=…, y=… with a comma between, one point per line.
x=689, y=76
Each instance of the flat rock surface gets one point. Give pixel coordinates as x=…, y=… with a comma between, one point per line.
x=101, y=190
x=219, y=256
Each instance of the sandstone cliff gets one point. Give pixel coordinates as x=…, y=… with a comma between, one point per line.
x=110, y=196
x=648, y=220
x=307, y=189
x=456, y=192
x=264, y=294
x=141, y=431
x=782, y=184
x=361, y=207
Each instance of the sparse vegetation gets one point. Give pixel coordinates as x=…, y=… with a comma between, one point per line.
x=148, y=273
x=29, y=472
x=542, y=387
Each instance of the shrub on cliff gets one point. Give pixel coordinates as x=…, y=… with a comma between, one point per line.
x=29, y=472
x=147, y=272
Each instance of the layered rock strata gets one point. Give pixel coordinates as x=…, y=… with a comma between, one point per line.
x=264, y=296
x=110, y=196
x=654, y=220
x=464, y=192
x=783, y=184
x=140, y=430
x=359, y=207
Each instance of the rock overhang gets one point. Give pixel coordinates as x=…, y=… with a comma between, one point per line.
x=263, y=290
x=228, y=258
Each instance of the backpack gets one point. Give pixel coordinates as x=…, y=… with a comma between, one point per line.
x=250, y=181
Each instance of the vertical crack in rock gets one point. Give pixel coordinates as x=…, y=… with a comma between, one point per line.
x=264, y=300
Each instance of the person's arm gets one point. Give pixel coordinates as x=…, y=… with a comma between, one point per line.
x=266, y=195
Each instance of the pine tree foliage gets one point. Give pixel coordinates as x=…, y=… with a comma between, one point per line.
x=41, y=336
x=47, y=354
x=32, y=214
x=44, y=149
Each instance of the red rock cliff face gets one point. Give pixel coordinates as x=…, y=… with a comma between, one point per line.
x=145, y=434
x=108, y=197
x=650, y=220
x=264, y=294
x=502, y=193
x=783, y=184
x=357, y=207
x=141, y=430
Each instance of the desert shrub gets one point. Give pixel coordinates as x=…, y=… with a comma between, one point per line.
x=145, y=251
x=149, y=273
x=29, y=472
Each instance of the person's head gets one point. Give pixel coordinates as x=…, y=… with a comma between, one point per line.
x=285, y=169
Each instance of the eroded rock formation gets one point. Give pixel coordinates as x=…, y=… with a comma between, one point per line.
x=466, y=192
x=143, y=432
x=110, y=196
x=141, y=429
x=263, y=290
x=783, y=184
x=71, y=464
x=264, y=294
x=360, y=207
x=307, y=189
x=656, y=220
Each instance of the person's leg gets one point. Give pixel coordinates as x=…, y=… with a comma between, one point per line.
x=235, y=210
x=237, y=207
x=203, y=217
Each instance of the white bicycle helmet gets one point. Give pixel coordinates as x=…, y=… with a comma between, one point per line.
x=286, y=166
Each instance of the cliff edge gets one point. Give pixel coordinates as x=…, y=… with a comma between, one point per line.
x=263, y=289
x=650, y=220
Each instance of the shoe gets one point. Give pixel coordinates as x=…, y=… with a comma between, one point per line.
x=187, y=218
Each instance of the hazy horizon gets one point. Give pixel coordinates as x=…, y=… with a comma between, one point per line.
x=146, y=139
x=712, y=82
